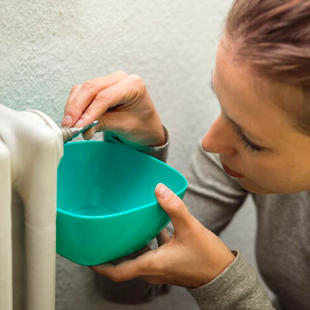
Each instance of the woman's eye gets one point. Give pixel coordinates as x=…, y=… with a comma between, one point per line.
x=247, y=143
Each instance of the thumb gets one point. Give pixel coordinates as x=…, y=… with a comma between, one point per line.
x=174, y=207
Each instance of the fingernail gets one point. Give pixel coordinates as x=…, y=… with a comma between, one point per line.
x=67, y=120
x=79, y=123
x=162, y=191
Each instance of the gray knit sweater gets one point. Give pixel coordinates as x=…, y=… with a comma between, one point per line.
x=282, y=241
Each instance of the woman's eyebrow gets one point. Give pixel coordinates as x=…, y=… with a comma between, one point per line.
x=248, y=135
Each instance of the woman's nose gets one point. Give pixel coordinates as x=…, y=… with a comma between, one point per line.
x=220, y=138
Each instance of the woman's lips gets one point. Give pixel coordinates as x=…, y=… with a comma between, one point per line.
x=232, y=173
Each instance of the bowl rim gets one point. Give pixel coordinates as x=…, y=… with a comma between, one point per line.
x=144, y=206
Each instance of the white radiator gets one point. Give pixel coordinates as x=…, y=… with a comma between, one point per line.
x=31, y=146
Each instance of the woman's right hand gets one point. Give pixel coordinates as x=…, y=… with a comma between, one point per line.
x=121, y=103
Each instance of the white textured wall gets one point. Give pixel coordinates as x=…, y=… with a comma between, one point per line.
x=49, y=45
x=46, y=46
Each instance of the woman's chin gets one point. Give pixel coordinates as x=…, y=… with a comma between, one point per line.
x=252, y=187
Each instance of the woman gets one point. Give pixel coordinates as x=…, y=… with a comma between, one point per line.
x=259, y=144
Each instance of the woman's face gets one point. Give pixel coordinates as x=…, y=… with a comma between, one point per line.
x=255, y=138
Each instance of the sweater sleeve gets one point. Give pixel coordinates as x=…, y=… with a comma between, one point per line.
x=236, y=288
x=159, y=152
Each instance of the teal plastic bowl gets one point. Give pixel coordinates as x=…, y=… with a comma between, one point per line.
x=106, y=206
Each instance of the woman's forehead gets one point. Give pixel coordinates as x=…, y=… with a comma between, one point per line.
x=236, y=79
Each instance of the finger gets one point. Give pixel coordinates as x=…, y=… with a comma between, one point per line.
x=163, y=237
x=175, y=208
x=67, y=120
x=105, y=99
x=123, y=92
x=76, y=105
x=127, y=270
x=88, y=134
x=112, y=120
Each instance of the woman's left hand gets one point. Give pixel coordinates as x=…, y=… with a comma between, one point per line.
x=192, y=257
